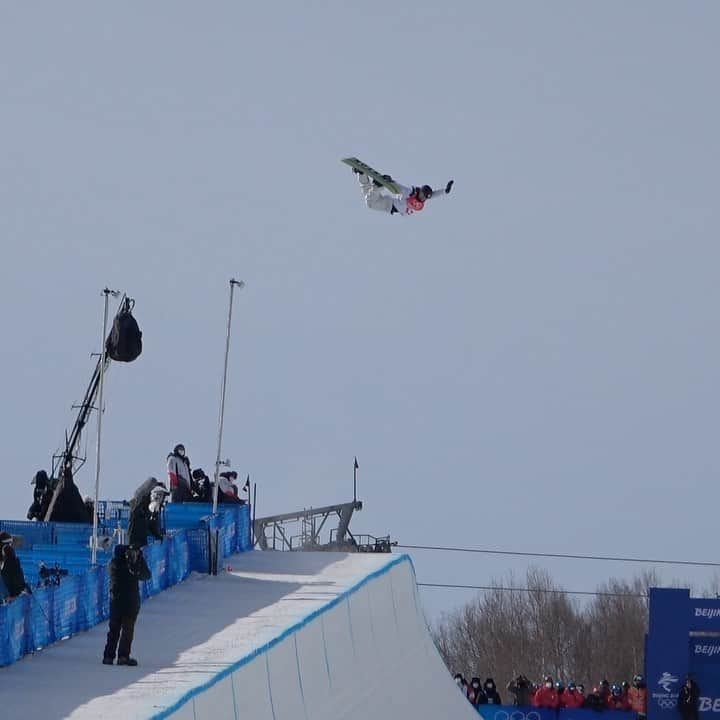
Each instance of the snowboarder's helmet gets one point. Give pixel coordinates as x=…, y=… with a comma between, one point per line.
x=425, y=191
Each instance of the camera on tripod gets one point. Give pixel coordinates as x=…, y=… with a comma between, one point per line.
x=51, y=575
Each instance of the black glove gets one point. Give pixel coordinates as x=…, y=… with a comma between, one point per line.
x=448, y=187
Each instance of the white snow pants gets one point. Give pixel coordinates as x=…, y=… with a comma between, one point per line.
x=374, y=199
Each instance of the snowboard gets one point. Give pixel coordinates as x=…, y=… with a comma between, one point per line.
x=393, y=187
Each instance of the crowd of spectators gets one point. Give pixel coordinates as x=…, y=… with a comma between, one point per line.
x=187, y=485
x=556, y=694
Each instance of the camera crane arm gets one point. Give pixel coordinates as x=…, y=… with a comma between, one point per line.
x=63, y=462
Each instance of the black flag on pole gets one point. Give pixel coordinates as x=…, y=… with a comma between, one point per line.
x=356, y=464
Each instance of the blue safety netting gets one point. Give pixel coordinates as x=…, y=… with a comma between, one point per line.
x=80, y=600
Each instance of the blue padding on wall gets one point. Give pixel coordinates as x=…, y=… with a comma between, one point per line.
x=31, y=532
x=81, y=600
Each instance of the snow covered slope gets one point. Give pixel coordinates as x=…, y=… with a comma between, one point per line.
x=280, y=635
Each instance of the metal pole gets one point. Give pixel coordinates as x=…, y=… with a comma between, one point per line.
x=106, y=292
x=254, y=516
x=240, y=285
x=355, y=469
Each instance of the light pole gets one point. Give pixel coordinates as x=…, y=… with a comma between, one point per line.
x=103, y=357
x=240, y=284
x=355, y=469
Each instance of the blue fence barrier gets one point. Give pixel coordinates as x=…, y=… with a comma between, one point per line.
x=81, y=600
x=526, y=712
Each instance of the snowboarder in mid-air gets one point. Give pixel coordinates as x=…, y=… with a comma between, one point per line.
x=381, y=192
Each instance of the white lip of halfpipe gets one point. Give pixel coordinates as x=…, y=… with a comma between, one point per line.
x=365, y=653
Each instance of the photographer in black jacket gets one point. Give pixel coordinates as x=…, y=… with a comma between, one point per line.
x=127, y=568
x=140, y=522
x=10, y=568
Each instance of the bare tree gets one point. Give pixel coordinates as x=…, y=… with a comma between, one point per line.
x=539, y=630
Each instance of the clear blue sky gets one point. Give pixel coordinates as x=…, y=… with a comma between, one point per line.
x=531, y=363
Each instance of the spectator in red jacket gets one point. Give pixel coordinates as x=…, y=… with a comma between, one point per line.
x=637, y=697
x=617, y=701
x=546, y=695
x=625, y=685
x=572, y=697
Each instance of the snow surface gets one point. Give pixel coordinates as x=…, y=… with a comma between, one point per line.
x=279, y=635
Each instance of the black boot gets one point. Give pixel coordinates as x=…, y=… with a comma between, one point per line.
x=108, y=661
x=127, y=661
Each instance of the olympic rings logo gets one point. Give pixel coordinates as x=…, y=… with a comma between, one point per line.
x=666, y=704
x=517, y=715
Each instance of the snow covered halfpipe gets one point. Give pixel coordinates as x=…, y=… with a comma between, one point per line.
x=278, y=636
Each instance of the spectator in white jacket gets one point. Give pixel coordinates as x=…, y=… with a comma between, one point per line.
x=178, y=469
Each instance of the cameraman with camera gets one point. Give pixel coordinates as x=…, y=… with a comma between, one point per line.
x=127, y=568
x=10, y=568
x=51, y=575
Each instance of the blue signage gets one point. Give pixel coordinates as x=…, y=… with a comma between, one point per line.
x=526, y=712
x=682, y=640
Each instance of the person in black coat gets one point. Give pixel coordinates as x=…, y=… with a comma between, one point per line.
x=594, y=701
x=202, y=490
x=139, y=521
x=10, y=568
x=42, y=494
x=521, y=688
x=688, y=698
x=476, y=695
x=127, y=568
x=491, y=693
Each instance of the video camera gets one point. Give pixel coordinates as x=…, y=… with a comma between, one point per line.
x=51, y=575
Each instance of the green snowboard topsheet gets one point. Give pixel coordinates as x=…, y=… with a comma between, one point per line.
x=393, y=187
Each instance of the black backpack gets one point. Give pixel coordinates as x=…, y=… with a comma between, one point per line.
x=124, y=343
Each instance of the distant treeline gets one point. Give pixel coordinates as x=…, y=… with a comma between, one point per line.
x=502, y=633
